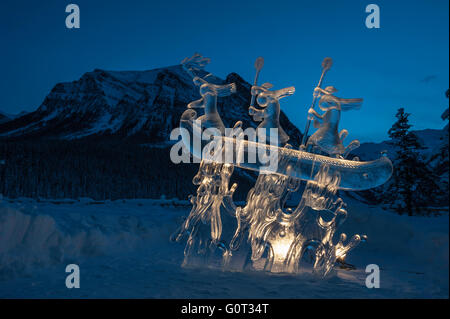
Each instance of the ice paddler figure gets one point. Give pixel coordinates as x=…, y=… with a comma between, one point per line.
x=327, y=138
x=269, y=116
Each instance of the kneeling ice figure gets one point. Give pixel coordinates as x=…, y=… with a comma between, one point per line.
x=327, y=137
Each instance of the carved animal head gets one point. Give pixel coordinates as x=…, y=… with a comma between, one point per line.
x=265, y=96
x=214, y=89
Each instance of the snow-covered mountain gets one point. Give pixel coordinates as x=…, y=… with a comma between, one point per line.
x=143, y=104
x=4, y=118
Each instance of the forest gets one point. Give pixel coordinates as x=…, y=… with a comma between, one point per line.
x=96, y=168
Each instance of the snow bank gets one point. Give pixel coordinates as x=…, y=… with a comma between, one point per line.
x=34, y=236
x=401, y=245
x=124, y=250
x=423, y=238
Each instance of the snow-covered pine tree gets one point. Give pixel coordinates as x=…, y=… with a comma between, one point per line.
x=412, y=188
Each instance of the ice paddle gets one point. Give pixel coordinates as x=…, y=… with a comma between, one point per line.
x=259, y=63
x=326, y=65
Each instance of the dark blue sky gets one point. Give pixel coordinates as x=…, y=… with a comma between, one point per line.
x=402, y=64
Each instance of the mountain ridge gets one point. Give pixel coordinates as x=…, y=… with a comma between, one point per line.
x=146, y=104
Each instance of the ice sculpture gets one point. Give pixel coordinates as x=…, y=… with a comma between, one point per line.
x=210, y=92
x=212, y=209
x=212, y=205
x=270, y=115
x=266, y=234
x=327, y=138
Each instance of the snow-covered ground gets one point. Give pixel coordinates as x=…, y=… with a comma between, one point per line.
x=123, y=250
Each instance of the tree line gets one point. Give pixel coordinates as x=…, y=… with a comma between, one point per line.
x=99, y=169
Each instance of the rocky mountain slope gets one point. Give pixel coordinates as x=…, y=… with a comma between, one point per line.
x=128, y=104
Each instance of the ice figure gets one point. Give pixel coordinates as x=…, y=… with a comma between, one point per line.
x=210, y=92
x=280, y=237
x=211, y=208
x=263, y=219
x=317, y=217
x=212, y=205
x=269, y=116
x=263, y=216
x=195, y=64
x=327, y=137
x=276, y=237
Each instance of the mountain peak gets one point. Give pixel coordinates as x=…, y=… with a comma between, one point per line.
x=145, y=104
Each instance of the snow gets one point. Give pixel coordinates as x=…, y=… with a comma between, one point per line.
x=103, y=124
x=123, y=250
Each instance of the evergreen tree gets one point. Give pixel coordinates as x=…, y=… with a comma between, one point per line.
x=412, y=185
x=442, y=157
